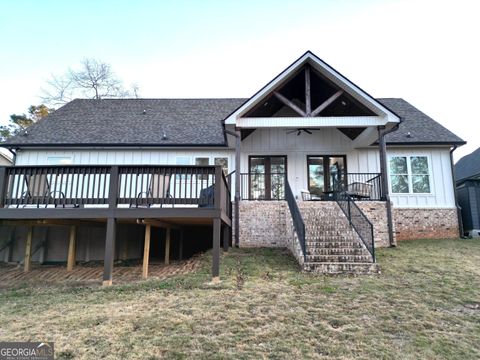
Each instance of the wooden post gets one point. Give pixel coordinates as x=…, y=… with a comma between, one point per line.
x=28, y=250
x=217, y=223
x=180, y=245
x=226, y=237
x=167, y=247
x=146, y=250
x=308, y=98
x=72, y=248
x=109, y=252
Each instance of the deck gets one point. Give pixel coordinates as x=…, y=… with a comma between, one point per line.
x=155, y=196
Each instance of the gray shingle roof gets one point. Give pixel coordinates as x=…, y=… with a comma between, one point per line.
x=468, y=166
x=195, y=122
x=121, y=121
x=422, y=128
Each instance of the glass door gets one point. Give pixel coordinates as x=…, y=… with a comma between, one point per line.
x=325, y=174
x=267, y=177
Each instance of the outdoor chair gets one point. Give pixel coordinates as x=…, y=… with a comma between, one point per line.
x=307, y=196
x=158, y=188
x=207, y=197
x=360, y=190
x=39, y=192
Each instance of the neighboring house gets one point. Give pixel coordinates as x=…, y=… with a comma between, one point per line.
x=316, y=164
x=467, y=175
x=5, y=160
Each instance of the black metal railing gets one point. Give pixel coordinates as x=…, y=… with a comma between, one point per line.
x=297, y=219
x=271, y=186
x=364, y=186
x=262, y=186
x=135, y=186
x=358, y=220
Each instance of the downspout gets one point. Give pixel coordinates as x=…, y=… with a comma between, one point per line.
x=236, y=134
x=14, y=155
x=383, y=167
x=459, y=209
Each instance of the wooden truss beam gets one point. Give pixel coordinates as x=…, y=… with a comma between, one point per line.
x=327, y=102
x=290, y=104
x=308, y=96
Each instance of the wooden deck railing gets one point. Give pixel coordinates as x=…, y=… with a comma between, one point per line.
x=114, y=186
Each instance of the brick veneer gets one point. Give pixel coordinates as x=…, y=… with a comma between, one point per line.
x=263, y=224
x=376, y=212
x=423, y=223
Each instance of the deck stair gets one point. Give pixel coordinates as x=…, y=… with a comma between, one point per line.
x=332, y=245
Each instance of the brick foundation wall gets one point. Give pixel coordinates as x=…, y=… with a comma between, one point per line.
x=376, y=212
x=263, y=224
x=422, y=223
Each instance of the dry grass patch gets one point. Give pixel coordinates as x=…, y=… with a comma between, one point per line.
x=423, y=305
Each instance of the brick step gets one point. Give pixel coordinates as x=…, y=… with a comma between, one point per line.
x=330, y=232
x=329, y=239
x=334, y=244
x=339, y=258
x=342, y=268
x=327, y=236
x=337, y=251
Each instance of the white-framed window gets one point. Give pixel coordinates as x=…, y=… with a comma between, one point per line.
x=182, y=160
x=223, y=161
x=410, y=174
x=59, y=160
x=202, y=161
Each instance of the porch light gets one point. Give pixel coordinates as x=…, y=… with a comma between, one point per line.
x=164, y=136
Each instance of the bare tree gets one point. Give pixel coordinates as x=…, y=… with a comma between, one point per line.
x=94, y=80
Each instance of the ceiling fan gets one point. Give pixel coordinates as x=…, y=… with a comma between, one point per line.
x=300, y=130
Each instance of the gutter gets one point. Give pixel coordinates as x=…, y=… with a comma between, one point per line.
x=459, y=209
x=14, y=155
x=237, y=184
x=383, y=167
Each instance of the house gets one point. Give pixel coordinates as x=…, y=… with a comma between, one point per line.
x=467, y=175
x=5, y=160
x=310, y=162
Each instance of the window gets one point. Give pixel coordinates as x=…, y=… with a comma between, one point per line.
x=202, y=161
x=59, y=160
x=223, y=161
x=182, y=160
x=409, y=175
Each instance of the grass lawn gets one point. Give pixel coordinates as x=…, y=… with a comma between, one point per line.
x=424, y=305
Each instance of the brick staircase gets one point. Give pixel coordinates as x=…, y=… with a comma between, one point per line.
x=332, y=245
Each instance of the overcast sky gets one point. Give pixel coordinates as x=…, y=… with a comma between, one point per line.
x=426, y=52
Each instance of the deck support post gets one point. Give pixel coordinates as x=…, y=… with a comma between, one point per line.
x=217, y=223
x=109, y=251
x=226, y=237
x=146, y=250
x=28, y=250
x=167, y=246
x=72, y=248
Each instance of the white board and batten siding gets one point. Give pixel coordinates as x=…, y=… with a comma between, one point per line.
x=275, y=142
x=365, y=160
x=122, y=157
x=440, y=173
